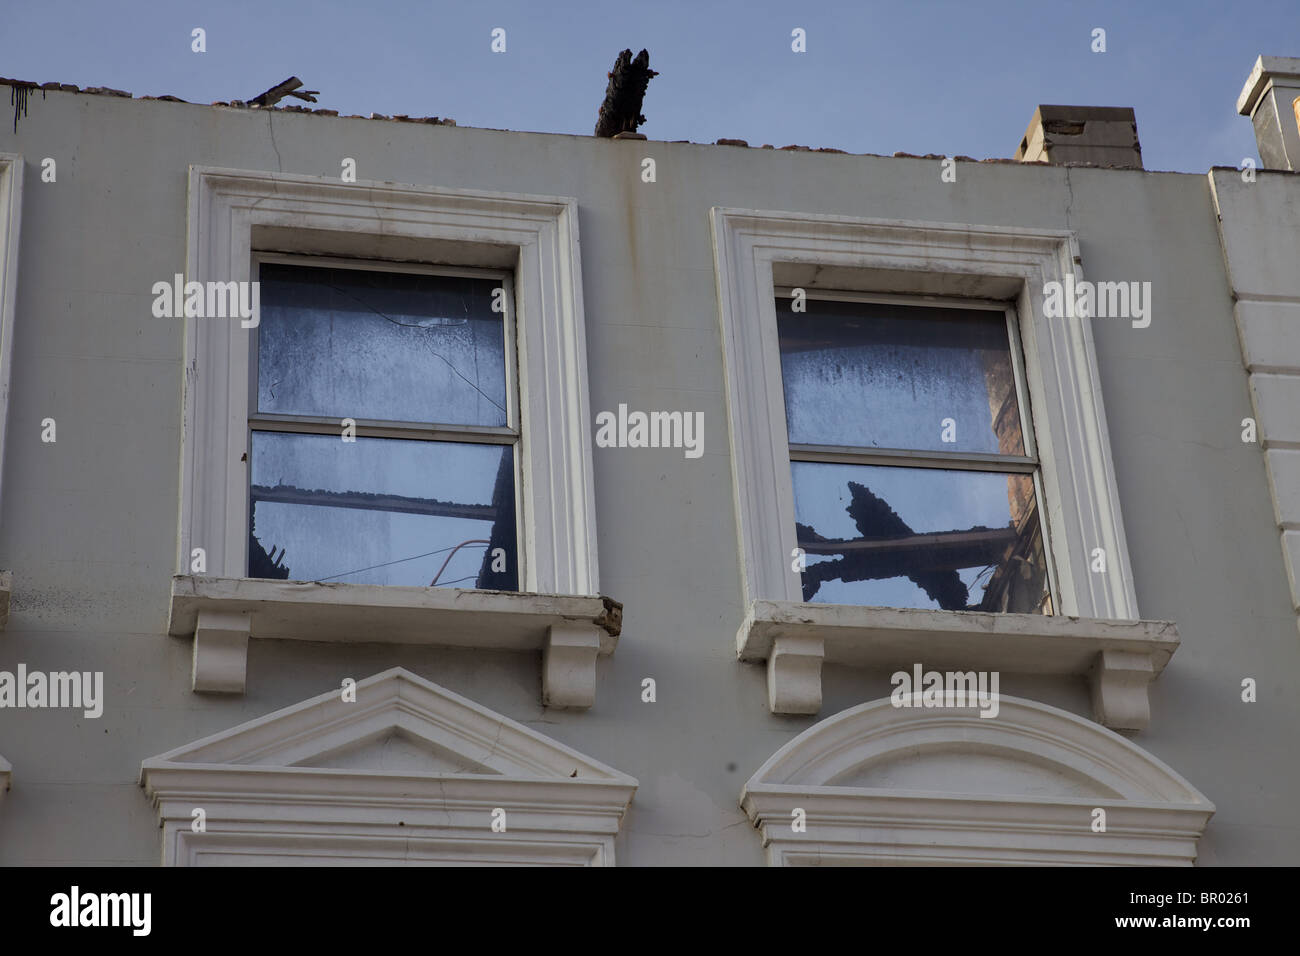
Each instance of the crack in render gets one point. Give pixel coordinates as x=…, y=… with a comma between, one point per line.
x=493, y=749
x=270, y=125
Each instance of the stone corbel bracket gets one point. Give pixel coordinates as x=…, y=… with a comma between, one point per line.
x=1120, y=659
x=223, y=613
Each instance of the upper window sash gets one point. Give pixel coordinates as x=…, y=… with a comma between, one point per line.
x=935, y=456
x=432, y=428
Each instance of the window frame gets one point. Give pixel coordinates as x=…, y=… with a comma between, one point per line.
x=1081, y=501
x=538, y=235
x=508, y=435
x=987, y=463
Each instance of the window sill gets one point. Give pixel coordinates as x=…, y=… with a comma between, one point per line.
x=223, y=613
x=1120, y=658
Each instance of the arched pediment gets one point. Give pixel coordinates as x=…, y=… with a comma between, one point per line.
x=879, y=783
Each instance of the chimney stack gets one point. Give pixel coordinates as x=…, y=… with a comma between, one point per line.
x=1096, y=135
x=1271, y=98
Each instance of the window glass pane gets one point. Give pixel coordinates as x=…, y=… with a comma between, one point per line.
x=920, y=538
x=887, y=376
x=382, y=511
x=353, y=343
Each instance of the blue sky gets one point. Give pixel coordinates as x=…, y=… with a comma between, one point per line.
x=922, y=76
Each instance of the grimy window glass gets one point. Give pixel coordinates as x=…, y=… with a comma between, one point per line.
x=380, y=345
x=421, y=489
x=914, y=482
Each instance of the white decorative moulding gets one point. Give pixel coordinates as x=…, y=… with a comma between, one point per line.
x=407, y=774
x=11, y=208
x=1119, y=658
x=1082, y=503
x=880, y=786
x=223, y=613
x=1080, y=500
x=539, y=236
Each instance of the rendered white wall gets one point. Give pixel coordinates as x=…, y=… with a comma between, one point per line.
x=89, y=524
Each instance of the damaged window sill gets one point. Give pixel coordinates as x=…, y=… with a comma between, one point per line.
x=223, y=613
x=1119, y=658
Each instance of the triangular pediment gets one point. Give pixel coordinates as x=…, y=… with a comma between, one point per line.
x=399, y=724
x=396, y=751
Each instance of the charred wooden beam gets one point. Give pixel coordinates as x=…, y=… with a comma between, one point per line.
x=980, y=540
x=281, y=90
x=621, y=110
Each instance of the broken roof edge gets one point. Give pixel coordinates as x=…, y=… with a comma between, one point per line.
x=240, y=105
x=54, y=87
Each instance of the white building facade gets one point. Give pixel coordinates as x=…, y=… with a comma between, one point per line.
x=387, y=492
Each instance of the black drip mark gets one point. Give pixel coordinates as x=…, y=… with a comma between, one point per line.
x=18, y=99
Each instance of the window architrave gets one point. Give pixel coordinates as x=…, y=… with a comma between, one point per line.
x=559, y=540
x=559, y=609
x=1097, y=614
x=1081, y=499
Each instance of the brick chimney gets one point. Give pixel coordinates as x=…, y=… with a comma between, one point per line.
x=1271, y=98
x=1097, y=135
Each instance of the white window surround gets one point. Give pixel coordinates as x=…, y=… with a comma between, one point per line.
x=1080, y=509
x=11, y=208
x=539, y=237
x=408, y=774
x=886, y=785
